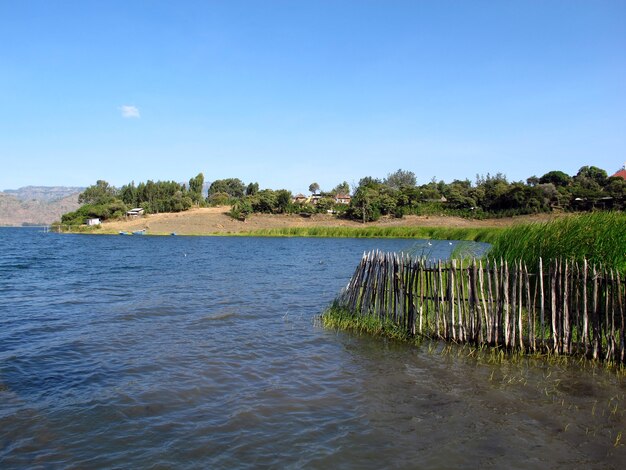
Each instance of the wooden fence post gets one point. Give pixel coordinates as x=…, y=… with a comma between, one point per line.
x=452, y=303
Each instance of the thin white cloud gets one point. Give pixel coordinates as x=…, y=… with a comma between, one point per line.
x=129, y=111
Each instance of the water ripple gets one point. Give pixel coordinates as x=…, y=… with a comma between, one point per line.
x=140, y=357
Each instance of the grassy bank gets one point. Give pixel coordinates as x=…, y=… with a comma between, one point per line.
x=598, y=237
x=484, y=234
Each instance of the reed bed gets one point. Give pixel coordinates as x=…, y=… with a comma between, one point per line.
x=598, y=237
x=486, y=234
x=563, y=308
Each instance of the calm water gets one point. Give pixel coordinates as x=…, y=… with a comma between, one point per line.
x=162, y=352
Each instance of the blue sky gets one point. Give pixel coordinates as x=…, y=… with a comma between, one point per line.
x=290, y=92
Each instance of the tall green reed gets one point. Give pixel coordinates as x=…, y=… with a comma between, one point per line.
x=599, y=237
x=441, y=233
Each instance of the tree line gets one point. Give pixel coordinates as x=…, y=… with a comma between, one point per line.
x=397, y=194
x=488, y=196
x=104, y=201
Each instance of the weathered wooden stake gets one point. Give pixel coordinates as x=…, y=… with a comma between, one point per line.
x=586, y=304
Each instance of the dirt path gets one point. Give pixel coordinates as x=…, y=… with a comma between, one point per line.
x=214, y=220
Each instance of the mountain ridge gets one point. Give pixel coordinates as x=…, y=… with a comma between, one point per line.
x=37, y=205
x=43, y=193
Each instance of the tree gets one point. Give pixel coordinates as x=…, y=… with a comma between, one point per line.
x=99, y=193
x=162, y=196
x=363, y=204
x=264, y=201
x=343, y=188
x=616, y=188
x=179, y=202
x=241, y=209
x=252, y=189
x=369, y=181
x=550, y=193
x=283, y=200
x=234, y=187
x=218, y=199
x=493, y=187
x=532, y=181
x=314, y=188
x=408, y=200
x=593, y=173
x=371, y=200
x=195, y=188
x=557, y=178
x=458, y=195
x=400, y=179
x=325, y=204
x=128, y=194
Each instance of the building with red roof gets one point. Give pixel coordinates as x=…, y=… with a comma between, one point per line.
x=621, y=173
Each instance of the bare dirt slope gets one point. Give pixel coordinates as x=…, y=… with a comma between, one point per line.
x=215, y=220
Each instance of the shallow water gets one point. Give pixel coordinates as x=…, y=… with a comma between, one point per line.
x=157, y=352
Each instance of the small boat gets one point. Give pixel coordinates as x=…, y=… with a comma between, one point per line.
x=173, y=234
x=139, y=232
x=125, y=233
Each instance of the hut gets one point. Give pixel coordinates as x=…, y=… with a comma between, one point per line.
x=136, y=212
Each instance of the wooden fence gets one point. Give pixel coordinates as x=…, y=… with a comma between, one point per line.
x=564, y=307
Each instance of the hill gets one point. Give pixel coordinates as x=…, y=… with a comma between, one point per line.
x=36, y=205
x=43, y=193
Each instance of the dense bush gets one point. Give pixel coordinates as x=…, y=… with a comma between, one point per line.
x=111, y=210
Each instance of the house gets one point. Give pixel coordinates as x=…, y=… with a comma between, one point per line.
x=93, y=221
x=136, y=212
x=621, y=173
x=315, y=198
x=299, y=198
x=342, y=198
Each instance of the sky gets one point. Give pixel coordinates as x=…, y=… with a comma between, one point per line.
x=287, y=93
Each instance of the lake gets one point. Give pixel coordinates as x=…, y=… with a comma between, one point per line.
x=204, y=352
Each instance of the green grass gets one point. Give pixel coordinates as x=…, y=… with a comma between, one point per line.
x=64, y=228
x=599, y=237
x=487, y=234
x=440, y=233
x=339, y=318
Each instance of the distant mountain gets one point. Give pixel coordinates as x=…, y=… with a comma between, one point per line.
x=43, y=193
x=37, y=205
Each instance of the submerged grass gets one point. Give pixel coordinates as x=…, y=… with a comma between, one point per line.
x=600, y=237
x=485, y=234
x=337, y=317
x=340, y=318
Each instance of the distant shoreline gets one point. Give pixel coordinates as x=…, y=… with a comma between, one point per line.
x=214, y=221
